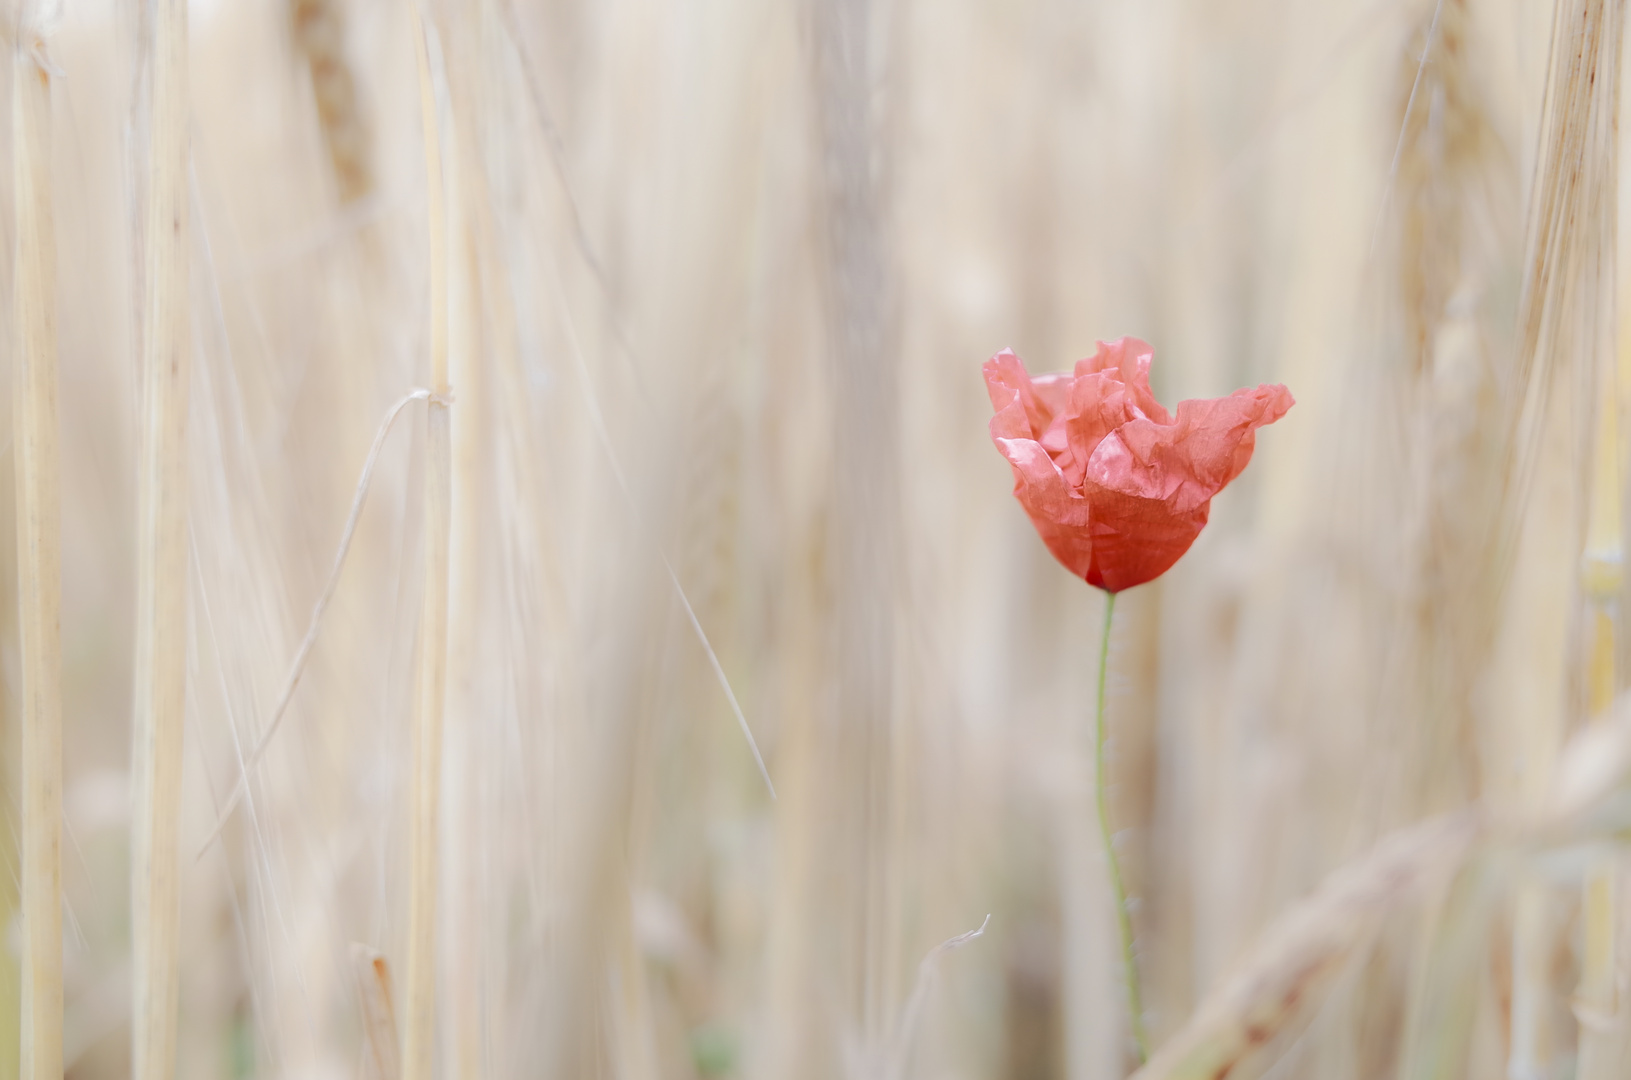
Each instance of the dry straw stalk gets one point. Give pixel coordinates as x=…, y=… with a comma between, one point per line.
x=161, y=588
x=1596, y=999
x=1300, y=955
x=1565, y=330
x=418, y=1058
x=470, y=463
x=39, y=559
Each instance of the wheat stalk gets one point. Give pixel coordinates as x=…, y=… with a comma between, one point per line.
x=418, y=1057
x=858, y=280
x=1564, y=327
x=1299, y=956
x=1294, y=962
x=39, y=557
x=471, y=462
x=1596, y=1003
x=161, y=590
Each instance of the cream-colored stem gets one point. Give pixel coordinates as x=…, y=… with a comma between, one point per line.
x=39, y=563
x=418, y=1058
x=427, y=754
x=161, y=588
x=1596, y=1002
x=469, y=462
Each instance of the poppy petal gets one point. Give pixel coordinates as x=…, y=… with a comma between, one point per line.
x=1059, y=514
x=1217, y=435
x=1136, y=539
x=1027, y=406
x=1127, y=359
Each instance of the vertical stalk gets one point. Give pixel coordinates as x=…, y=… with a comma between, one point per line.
x=161, y=613
x=1597, y=1005
x=39, y=561
x=1101, y=792
x=859, y=279
x=1596, y=1001
x=1565, y=322
x=467, y=359
x=418, y=1058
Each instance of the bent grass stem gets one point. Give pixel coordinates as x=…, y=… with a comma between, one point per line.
x=1124, y=922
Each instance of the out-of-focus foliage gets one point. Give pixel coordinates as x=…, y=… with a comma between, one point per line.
x=723, y=277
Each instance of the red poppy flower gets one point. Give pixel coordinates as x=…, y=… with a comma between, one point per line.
x=1118, y=487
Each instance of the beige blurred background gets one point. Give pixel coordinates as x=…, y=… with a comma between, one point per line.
x=724, y=275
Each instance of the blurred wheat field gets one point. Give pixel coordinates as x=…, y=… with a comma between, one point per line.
x=712, y=284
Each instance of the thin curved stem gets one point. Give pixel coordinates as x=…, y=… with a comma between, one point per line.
x=1124, y=922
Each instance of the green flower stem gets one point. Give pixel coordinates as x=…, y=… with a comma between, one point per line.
x=1101, y=790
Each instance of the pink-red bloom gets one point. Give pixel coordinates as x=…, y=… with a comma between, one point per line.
x=1117, y=486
